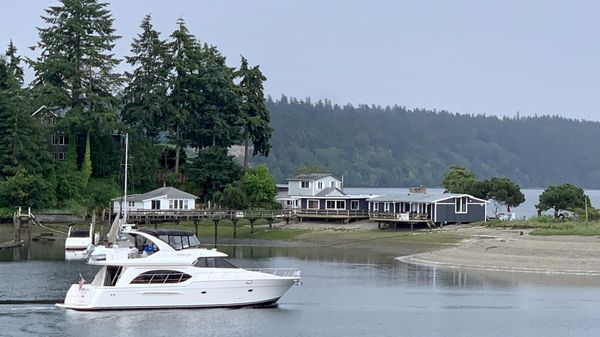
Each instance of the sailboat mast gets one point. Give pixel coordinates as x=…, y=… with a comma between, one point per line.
x=125, y=180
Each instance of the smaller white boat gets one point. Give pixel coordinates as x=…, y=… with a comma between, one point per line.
x=165, y=269
x=78, y=241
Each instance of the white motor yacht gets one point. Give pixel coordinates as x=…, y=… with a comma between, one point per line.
x=78, y=241
x=166, y=269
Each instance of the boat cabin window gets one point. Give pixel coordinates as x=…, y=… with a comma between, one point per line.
x=213, y=262
x=79, y=234
x=161, y=277
x=180, y=241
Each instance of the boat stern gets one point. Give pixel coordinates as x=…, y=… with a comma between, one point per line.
x=79, y=297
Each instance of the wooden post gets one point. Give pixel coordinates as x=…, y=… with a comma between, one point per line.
x=234, y=228
x=196, y=227
x=586, y=209
x=215, y=221
x=252, y=226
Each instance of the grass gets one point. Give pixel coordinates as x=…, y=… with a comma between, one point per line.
x=546, y=226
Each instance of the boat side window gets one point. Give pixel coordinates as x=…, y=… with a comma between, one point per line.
x=161, y=277
x=185, y=241
x=175, y=241
x=213, y=262
x=194, y=241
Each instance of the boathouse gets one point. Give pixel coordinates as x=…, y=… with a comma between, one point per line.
x=433, y=209
x=164, y=198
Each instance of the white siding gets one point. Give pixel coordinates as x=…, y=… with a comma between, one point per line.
x=294, y=186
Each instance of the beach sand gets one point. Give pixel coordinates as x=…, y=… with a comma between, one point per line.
x=515, y=251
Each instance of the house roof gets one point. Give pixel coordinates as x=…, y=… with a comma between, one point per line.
x=312, y=176
x=168, y=192
x=327, y=190
x=420, y=197
x=55, y=111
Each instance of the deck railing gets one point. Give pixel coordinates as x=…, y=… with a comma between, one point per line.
x=332, y=212
x=399, y=216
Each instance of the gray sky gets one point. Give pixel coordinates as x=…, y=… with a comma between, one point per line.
x=493, y=57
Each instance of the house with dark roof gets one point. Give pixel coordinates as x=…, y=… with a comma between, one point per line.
x=160, y=199
x=430, y=208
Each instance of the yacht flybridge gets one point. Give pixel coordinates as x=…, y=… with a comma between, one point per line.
x=166, y=269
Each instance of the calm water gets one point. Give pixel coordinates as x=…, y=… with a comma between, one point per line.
x=345, y=293
x=526, y=209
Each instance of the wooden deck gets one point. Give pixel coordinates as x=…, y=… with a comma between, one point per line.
x=401, y=218
x=344, y=215
x=154, y=216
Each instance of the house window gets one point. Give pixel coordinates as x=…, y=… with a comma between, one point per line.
x=59, y=139
x=313, y=204
x=59, y=155
x=131, y=203
x=375, y=207
x=155, y=204
x=354, y=205
x=461, y=205
x=386, y=207
x=170, y=204
x=340, y=204
x=305, y=184
x=333, y=184
x=330, y=204
x=185, y=204
x=320, y=185
x=180, y=204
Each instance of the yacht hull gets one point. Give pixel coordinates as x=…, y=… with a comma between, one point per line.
x=203, y=294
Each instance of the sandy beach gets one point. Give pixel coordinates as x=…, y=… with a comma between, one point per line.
x=515, y=251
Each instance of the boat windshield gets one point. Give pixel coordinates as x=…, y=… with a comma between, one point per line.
x=213, y=262
x=180, y=241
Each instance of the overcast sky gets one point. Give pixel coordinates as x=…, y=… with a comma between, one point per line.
x=493, y=57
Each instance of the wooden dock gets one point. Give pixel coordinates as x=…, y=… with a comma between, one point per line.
x=344, y=215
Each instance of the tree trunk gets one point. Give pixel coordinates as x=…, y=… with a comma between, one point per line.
x=245, y=149
x=177, y=149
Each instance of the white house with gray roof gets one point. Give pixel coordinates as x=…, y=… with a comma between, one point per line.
x=321, y=194
x=160, y=199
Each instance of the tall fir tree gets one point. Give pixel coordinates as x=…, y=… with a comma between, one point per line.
x=75, y=69
x=145, y=97
x=255, y=115
x=215, y=118
x=185, y=53
x=25, y=176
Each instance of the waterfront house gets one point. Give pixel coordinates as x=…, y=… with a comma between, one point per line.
x=321, y=196
x=429, y=208
x=160, y=199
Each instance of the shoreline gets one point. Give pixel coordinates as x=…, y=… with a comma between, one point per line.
x=514, y=251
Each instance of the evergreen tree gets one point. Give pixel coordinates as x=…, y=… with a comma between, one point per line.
x=215, y=118
x=211, y=172
x=14, y=62
x=146, y=93
x=255, y=115
x=25, y=177
x=75, y=67
x=185, y=53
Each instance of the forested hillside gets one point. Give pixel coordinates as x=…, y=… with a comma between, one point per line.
x=394, y=146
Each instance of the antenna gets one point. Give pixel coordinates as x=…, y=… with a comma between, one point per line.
x=125, y=180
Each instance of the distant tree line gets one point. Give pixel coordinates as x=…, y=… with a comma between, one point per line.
x=179, y=95
x=374, y=146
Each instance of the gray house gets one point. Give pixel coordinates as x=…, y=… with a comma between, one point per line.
x=438, y=209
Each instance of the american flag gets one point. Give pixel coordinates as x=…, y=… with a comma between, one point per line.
x=81, y=281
